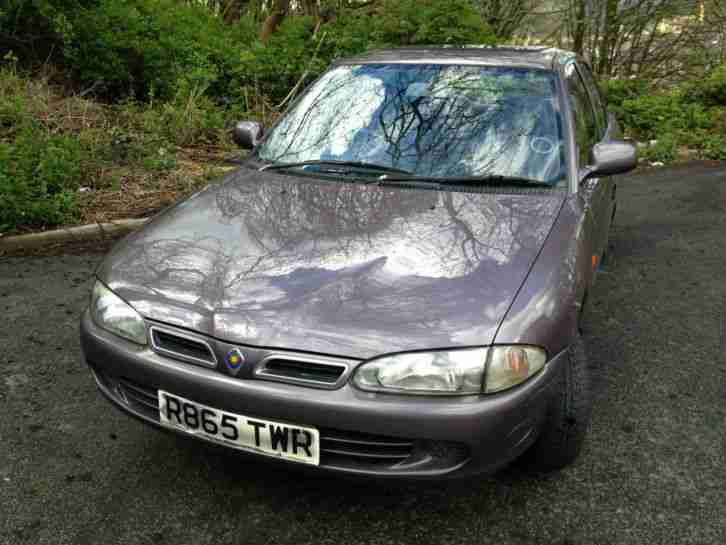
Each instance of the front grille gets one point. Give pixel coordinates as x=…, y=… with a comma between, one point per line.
x=304, y=370
x=181, y=346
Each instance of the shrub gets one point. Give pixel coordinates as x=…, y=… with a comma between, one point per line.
x=714, y=147
x=665, y=150
x=709, y=91
x=44, y=25
x=273, y=69
x=147, y=47
x=617, y=91
x=425, y=22
x=294, y=50
x=649, y=116
x=39, y=176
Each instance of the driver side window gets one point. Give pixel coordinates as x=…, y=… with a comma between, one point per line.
x=584, y=118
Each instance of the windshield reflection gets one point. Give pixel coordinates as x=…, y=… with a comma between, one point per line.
x=432, y=120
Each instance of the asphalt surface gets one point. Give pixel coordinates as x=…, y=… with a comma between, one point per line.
x=74, y=470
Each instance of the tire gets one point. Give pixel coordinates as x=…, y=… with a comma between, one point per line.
x=568, y=416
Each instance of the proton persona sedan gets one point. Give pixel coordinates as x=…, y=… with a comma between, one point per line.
x=391, y=284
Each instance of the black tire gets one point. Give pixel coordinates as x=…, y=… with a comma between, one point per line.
x=568, y=416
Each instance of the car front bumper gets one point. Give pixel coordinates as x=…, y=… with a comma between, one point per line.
x=360, y=432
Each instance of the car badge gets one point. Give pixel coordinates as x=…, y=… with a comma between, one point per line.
x=235, y=359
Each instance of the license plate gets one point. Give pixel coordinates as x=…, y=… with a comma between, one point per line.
x=279, y=439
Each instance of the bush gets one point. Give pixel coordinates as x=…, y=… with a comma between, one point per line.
x=44, y=26
x=649, y=116
x=617, y=91
x=272, y=70
x=39, y=176
x=148, y=48
x=709, y=91
x=714, y=147
x=664, y=150
x=425, y=22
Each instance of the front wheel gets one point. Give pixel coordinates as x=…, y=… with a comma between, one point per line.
x=568, y=416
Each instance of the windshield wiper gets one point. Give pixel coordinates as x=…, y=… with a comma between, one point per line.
x=485, y=179
x=335, y=163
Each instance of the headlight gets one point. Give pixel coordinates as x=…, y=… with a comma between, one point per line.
x=112, y=313
x=451, y=372
x=446, y=372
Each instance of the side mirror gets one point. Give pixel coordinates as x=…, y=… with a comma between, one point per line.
x=614, y=157
x=247, y=134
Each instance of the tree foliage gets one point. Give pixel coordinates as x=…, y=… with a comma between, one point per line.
x=179, y=72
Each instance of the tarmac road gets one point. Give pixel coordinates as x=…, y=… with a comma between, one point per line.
x=73, y=470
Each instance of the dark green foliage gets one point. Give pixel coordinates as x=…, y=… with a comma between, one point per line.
x=649, y=116
x=39, y=175
x=273, y=69
x=711, y=90
x=36, y=30
x=618, y=91
x=422, y=22
x=665, y=149
x=51, y=145
x=175, y=74
x=296, y=50
x=714, y=147
x=149, y=48
x=688, y=116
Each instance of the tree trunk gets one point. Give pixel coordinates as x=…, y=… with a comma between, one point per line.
x=579, y=27
x=232, y=11
x=611, y=27
x=276, y=16
x=311, y=8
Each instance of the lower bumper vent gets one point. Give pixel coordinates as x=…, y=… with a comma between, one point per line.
x=343, y=449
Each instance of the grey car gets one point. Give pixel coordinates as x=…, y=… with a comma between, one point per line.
x=393, y=281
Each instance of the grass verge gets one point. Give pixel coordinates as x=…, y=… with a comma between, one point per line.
x=67, y=160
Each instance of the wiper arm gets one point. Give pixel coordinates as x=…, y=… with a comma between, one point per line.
x=489, y=179
x=333, y=162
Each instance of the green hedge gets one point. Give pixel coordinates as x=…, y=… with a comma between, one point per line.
x=39, y=175
x=692, y=115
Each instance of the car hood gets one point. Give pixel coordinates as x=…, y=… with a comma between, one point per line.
x=273, y=260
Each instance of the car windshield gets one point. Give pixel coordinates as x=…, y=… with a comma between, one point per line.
x=428, y=120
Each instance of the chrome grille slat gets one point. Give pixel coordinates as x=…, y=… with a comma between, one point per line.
x=182, y=346
x=304, y=369
x=283, y=367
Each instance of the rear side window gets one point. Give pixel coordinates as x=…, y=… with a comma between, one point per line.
x=601, y=115
x=585, y=127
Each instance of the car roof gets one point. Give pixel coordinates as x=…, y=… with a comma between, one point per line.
x=541, y=57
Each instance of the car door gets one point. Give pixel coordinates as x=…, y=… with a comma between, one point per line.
x=593, y=191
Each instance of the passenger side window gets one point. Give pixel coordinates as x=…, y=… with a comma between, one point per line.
x=585, y=128
x=601, y=115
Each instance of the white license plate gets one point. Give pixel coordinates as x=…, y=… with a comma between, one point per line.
x=279, y=439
